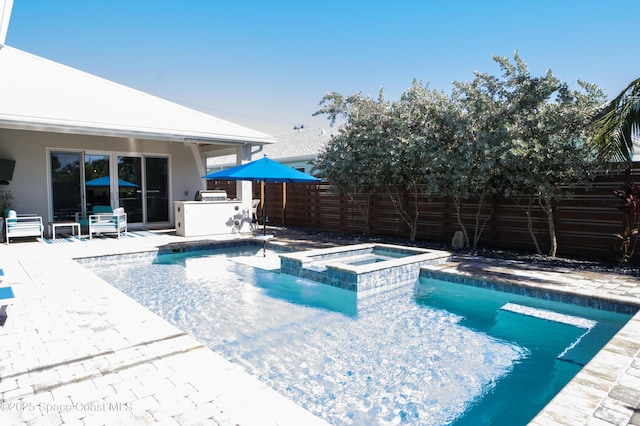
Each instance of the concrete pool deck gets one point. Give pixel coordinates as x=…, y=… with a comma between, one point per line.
x=77, y=351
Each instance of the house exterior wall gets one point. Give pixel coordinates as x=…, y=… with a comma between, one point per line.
x=302, y=165
x=30, y=150
x=29, y=183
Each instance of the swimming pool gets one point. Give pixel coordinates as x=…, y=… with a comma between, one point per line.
x=430, y=352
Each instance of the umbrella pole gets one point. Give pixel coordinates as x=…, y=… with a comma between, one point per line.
x=264, y=222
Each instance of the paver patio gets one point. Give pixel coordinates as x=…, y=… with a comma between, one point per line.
x=78, y=351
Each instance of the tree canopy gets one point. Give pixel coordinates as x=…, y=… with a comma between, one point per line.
x=617, y=125
x=491, y=138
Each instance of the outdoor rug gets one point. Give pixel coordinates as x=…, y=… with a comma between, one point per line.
x=62, y=238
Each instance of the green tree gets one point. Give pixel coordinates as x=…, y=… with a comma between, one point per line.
x=373, y=151
x=494, y=136
x=411, y=152
x=547, y=153
x=478, y=176
x=617, y=125
x=436, y=135
x=351, y=161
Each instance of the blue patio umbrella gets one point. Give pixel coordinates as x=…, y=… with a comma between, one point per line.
x=263, y=170
x=106, y=181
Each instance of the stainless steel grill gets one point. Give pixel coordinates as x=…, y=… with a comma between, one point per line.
x=211, y=195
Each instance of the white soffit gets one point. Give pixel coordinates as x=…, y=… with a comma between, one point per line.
x=39, y=94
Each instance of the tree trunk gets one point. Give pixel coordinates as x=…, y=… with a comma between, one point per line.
x=548, y=209
x=414, y=229
x=480, y=227
x=528, y=212
x=416, y=214
x=476, y=229
x=398, y=205
x=464, y=230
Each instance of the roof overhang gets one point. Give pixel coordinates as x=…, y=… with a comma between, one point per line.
x=41, y=95
x=151, y=134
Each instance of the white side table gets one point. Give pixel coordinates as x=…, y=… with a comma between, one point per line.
x=75, y=227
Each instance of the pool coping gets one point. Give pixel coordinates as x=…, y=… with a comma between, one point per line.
x=605, y=392
x=614, y=303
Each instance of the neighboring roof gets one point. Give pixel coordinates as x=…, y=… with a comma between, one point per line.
x=304, y=144
x=39, y=94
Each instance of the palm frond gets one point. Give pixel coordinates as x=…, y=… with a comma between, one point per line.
x=617, y=125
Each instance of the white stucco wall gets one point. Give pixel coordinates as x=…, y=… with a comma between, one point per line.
x=30, y=187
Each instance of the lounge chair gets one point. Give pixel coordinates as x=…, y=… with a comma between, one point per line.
x=108, y=223
x=6, y=297
x=22, y=225
x=97, y=209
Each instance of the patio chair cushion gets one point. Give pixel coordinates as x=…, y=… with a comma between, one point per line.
x=101, y=209
x=10, y=216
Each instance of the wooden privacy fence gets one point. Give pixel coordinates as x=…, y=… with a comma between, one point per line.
x=585, y=224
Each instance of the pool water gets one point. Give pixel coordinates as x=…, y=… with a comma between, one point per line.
x=555, y=351
x=427, y=353
x=380, y=255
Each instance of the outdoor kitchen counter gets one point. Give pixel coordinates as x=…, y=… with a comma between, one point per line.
x=200, y=218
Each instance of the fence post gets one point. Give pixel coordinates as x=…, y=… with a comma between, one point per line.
x=284, y=203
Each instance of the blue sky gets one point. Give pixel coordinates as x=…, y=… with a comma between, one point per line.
x=267, y=64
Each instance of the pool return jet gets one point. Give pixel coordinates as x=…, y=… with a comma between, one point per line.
x=263, y=170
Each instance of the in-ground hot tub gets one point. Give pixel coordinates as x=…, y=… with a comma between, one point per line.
x=361, y=267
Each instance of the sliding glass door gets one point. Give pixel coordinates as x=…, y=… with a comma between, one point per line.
x=82, y=180
x=97, y=181
x=145, y=200
x=66, y=181
x=157, y=190
x=130, y=187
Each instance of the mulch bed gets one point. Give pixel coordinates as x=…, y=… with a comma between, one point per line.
x=632, y=269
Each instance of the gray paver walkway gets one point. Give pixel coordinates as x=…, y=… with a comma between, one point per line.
x=77, y=351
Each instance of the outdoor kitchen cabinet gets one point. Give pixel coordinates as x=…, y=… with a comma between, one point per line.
x=200, y=218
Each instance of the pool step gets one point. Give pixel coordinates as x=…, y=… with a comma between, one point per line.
x=549, y=315
x=570, y=354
